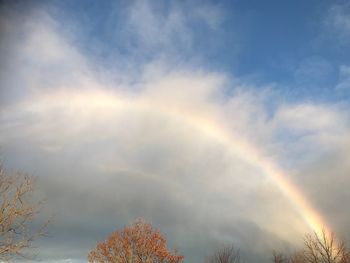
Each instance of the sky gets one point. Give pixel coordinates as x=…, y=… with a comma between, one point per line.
x=219, y=122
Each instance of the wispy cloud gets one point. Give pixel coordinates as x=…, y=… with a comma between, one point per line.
x=170, y=27
x=344, y=78
x=338, y=21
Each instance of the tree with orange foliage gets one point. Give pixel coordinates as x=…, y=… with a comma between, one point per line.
x=139, y=243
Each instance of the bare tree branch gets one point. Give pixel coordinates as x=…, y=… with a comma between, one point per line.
x=16, y=214
x=318, y=248
x=225, y=254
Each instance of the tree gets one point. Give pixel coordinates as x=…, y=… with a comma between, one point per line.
x=225, y=254
x=297, y=257
x=318, y=248
x=325, y=248
x=17, y=212
x=278, y=257
x=139, y=243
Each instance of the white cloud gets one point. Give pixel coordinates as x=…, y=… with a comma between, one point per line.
x=309, y=117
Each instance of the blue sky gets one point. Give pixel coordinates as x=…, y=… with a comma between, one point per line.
x=299, y=46
x=172, y=111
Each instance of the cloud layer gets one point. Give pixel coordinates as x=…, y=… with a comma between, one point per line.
x=109, y=147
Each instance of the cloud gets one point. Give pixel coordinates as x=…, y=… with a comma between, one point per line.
x=212, y=15
x=324, y=181
x=170, y=27
x=157, y=30
x=107, y=151
x=40, y=57
x=314, y=72
x=338, y=22
x=344, y=78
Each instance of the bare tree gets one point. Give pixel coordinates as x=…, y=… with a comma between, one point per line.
x=297, y=257
x=225, y=254
x=278, y=257
x=318, y=248
x=325, y=248
x=16, y=214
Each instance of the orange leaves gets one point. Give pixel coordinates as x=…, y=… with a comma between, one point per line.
x=139, y=243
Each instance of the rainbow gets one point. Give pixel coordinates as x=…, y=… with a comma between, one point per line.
x=257, y=159
x=107, y=101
